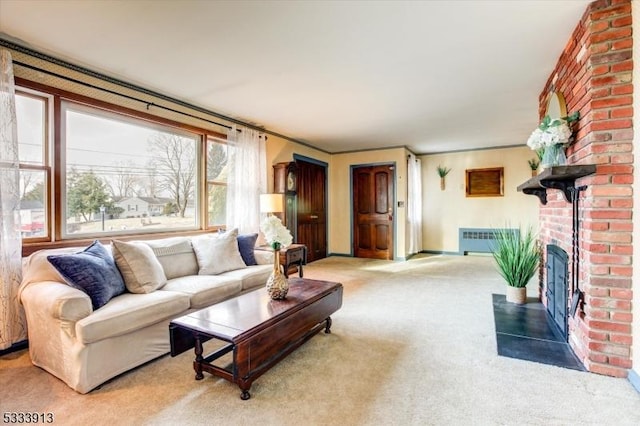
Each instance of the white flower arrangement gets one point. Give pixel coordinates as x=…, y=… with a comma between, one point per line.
x=557, y=134
x=275, y=233
x=552, y=132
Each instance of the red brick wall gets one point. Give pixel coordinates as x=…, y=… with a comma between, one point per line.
x=594, y=74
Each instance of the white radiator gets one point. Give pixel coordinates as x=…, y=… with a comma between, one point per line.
x=478, y=240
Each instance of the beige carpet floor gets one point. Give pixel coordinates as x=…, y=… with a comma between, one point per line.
x=413, y=344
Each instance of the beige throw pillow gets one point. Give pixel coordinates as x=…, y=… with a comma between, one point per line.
x=218, y=254
x=176, y=256
x=141, y=270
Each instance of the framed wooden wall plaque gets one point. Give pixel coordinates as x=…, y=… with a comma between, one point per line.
x=485, y=182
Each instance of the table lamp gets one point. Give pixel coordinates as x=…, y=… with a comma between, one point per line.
x=271, y=203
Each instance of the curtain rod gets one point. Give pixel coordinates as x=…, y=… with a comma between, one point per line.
x=113, y=92
x=120, y=83
x=56, y=61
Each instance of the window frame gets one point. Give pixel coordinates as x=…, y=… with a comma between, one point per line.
x=45, y=165
x=78, y=108
x=208, y=182
x=55, y=153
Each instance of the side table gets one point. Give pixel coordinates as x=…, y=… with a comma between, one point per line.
x=293, y=255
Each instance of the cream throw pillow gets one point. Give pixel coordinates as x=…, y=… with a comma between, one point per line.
x=141, y=270
x=218, y=254
x=176, y=256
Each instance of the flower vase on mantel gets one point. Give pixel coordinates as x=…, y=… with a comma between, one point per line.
x=551, y=137
x=277, y=284
x=553, y=156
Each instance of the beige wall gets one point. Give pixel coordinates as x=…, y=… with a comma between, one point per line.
x=339, y=187
x=440, y=233
x=280, y=150
x=340, y=203
x=446, y=211
x=443, y=212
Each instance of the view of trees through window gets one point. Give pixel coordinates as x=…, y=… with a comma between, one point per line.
x=120, y=173
x=126, y=175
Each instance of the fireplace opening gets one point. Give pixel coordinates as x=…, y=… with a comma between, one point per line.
x=557, y=287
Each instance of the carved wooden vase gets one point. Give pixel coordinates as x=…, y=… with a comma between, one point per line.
x=277, y=284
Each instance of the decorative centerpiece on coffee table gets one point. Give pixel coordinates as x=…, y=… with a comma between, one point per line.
x=277, y=236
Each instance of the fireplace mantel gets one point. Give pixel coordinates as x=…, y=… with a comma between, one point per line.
x=557, y=177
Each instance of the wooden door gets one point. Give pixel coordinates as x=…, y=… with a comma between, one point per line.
x=373, y=189
x=311, y=204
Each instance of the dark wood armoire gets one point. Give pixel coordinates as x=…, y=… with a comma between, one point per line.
x=305, y=187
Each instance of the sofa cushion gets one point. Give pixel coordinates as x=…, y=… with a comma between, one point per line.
x=175, y=255
x=130, y=312
x=251, y=277
x=204, y=290
x=93, y=271
x=140, y=268
x=246, y=245
x=218, y=254
x=37, y=268
x=264, y=257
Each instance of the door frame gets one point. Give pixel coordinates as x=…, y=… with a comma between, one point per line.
x=394, y=190
x=324, y=165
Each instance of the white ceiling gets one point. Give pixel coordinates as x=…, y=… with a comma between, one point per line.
x=433, y=76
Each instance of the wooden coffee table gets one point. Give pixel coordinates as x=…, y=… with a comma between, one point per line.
x=259, y=331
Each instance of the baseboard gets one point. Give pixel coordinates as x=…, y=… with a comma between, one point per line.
x=340, y=254
x=350, y=255
x=448, y=253
x=634, y=379
x=15, y=347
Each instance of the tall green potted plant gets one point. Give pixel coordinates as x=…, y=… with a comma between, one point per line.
x=516, y=257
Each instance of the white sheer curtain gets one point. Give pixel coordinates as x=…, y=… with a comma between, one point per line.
x=12, y=322
x=414, y=204
x=247, y=179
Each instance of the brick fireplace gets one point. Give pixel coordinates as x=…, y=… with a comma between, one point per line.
x=594, y=74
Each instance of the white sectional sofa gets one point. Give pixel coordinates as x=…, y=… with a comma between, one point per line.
x=84, y=344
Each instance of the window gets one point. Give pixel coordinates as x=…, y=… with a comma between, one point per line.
x=32, y=123
x=126, y=175
x=217, y=171
x=121, y=172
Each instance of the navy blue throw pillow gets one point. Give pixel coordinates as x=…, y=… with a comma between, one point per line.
x=93, y=271
x=246, y=243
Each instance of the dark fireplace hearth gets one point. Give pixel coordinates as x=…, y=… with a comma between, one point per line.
x=527, y=332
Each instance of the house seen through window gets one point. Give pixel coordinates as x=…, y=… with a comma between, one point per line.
x=119, y=174
x=124, y=174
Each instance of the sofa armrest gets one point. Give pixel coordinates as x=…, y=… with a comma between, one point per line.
x=263, y=257
x=57, y=300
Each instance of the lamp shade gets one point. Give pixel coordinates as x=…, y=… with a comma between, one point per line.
x=271, y=203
